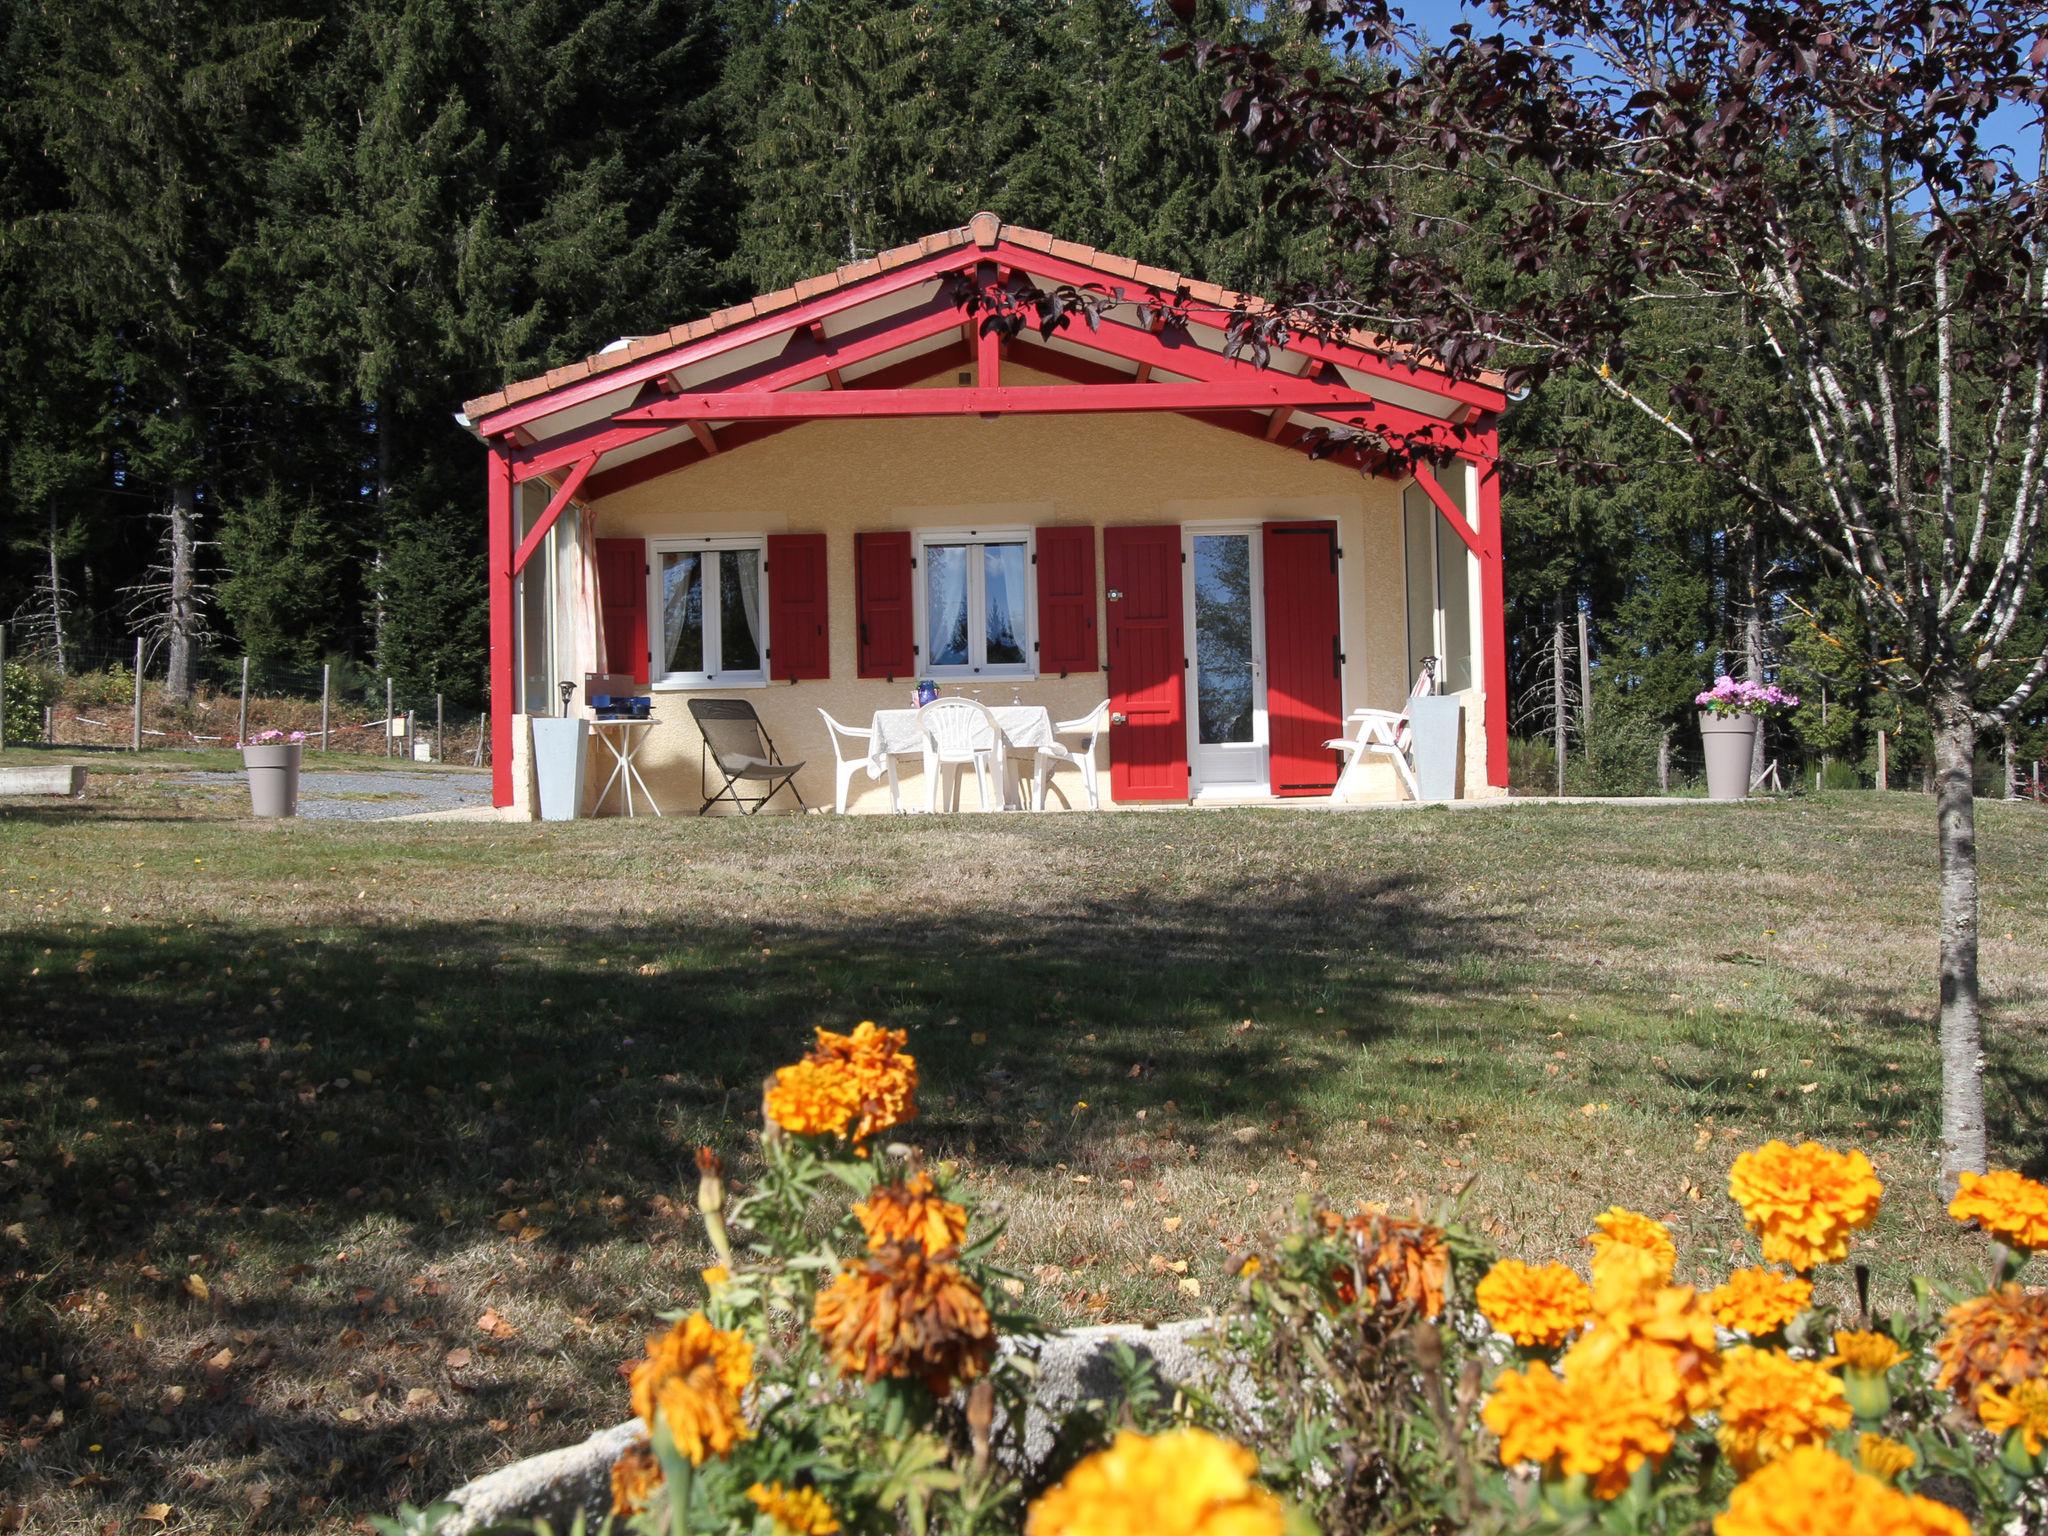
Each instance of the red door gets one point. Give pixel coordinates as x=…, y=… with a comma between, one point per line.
x=1304, y=657
x=1148, y=727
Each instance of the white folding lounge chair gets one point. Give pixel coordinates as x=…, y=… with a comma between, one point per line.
x=1382, y=731
x=1088, y=729
x=950, y=728
x=850, y=748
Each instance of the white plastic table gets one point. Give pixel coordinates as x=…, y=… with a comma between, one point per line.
x=622, y=739
x=896, y=733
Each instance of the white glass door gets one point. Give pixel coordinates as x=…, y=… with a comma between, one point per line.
x=1227, y=661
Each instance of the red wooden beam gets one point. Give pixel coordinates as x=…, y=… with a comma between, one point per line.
x=597, y=385
x=1493, y=644
x=561, y=499
x=1052, y=399
x=706, y=438
x=1419, y=376
x=1143, y=374
x=1276, y=424
x=1426, y=478
x=503, y=671
x=988, y=345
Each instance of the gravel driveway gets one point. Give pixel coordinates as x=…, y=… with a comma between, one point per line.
x=342, y=796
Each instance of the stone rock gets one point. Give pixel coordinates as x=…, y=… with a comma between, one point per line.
x=1073, y=1367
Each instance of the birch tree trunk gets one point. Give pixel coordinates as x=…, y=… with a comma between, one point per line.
x=56, y=580
x=182, y=613
x=1961, y=1032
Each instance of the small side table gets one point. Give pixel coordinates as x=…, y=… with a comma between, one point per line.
x=622, y=739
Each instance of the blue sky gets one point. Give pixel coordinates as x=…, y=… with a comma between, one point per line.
x=2010, y=127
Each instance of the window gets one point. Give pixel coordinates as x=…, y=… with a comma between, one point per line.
x=975, y=618
x=714, y=630
x=1440, y=573
x=536, y=607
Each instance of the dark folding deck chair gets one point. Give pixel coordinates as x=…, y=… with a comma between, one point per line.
x=739, y=746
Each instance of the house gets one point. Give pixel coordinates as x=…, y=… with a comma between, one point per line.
x=1022, y=468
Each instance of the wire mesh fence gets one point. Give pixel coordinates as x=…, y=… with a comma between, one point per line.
x=107, y=698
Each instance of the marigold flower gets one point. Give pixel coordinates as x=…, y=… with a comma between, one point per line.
x=693, y=1376
x=2022, y=1410
x=1804, y=1201
x=1883, y=1457
x=795, y=1511
x=635, y=1476
x=1770, y=1402
x=914, y=1213
x=1871, y=1354
x=714, y=1276
x=2010, y=1206
x=1759, y=1301
x=2000, y=1339
x=1618, y=1228
x=853, y=1086
x=1594, y=1427
x=1810, y=1491
x=1539, y=1307
x=901, y=1313
x=1404, y=1261
x=1659, y=1347
x=1186, y=1482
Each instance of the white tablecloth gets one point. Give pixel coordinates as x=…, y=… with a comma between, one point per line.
x=897, y=734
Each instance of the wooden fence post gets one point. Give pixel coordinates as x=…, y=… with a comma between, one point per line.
x=3, y=687
x=326, y=693
x=1883, y=763
x=2012, y=784
x=387, y=716
x=135, y=745
x=49, y=725
x=1585, y=691
x=483, y=729
x=438, y=718
x=1664, y=762
x=242, y=719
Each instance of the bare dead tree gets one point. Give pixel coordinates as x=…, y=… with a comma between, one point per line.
x=1821, y=179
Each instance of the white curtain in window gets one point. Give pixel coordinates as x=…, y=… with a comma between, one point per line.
x=678, y=586
x=748, y=566
x=589, y=626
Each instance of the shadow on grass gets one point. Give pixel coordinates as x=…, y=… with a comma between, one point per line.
x=200, y=1096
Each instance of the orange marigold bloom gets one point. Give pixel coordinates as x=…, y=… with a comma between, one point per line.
x=1659, y=1347
x=693, y=1376
x=1804, y=1201
x=1538, y=1307
x=2010, y=1206
x=856, y=1086
x=1404, y=1261
x=1592, y=1426
x=2022, y=1409
x=1770, y=1402
x=901, y=1313
x=795, y=1511
x=2000, y=1339
x=1759, y=1301
x=635, y=1476
x=1883, y=1457
x=914, y=1213
x=1186, y=1482
x=1869, y=1353
x=1810, y=1491
x=1618, y=1229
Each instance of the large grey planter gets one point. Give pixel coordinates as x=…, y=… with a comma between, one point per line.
x=1730, y=744
x=561, y=749
x=273, y=778
x=1433, y=729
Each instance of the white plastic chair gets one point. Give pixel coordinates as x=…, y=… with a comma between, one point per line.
x=1090, y=727
x=845, y=767
x=951, y=728
x=1382, y=731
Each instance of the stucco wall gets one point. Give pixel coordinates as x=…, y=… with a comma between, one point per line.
x=844, y=477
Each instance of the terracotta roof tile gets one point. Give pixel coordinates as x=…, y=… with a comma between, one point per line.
x=983, y=229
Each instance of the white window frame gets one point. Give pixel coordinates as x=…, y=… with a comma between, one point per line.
x=677, y=682
x=977, y=602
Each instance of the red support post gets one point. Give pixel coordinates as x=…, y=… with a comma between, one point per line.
x=988, y=345
x=504, y=666
x=1493, y=628
x=556, y=505
x=1475, y=540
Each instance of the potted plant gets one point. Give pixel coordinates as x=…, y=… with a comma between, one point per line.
x=271, y=759
x=1731, y=713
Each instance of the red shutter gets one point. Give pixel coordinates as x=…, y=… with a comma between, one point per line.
x=1304, y=657
x=1148, y=723
x=1066, y=600
x=622, y=600
x=881, y=595
x=799, y=639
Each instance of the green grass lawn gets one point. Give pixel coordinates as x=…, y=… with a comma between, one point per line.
x=416, y=1103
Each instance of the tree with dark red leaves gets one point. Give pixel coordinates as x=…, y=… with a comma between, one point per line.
x=1831, y=189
